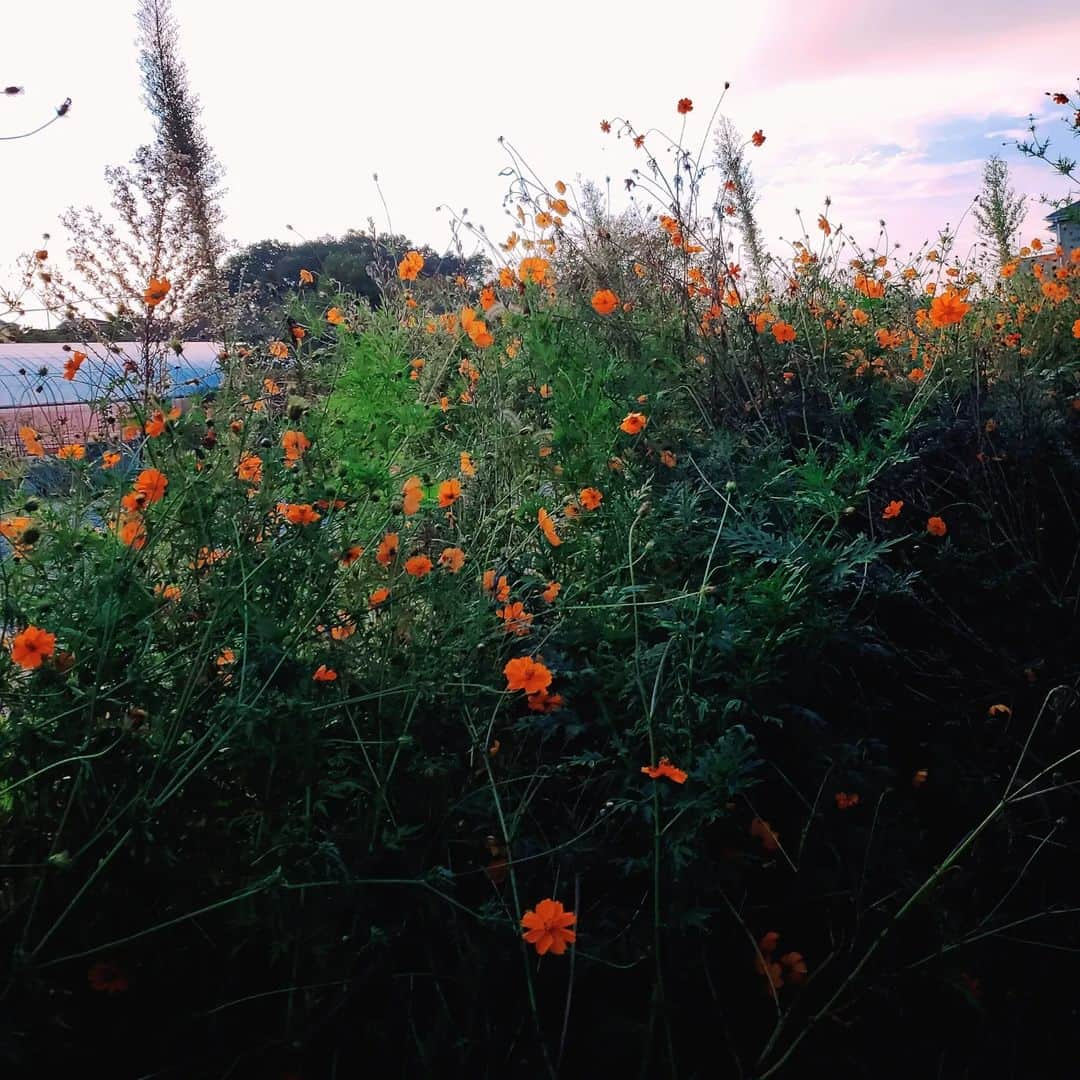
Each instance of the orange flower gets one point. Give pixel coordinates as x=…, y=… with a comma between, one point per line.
x=449, y=492
x=452, y=559
x=500, y=591
x=300, y=513
x=823, y=224
x=948, y=309
x=156, y=291
x=533, y=269
x=71, y=452
x=105, y=977
x=350, y=555
x=551, y=591
x=516, y=620
x=590, y=498
x=634, y=423
x=796, y=967
x=388, y=549
x=155, y=426
x=919, y=777
x=543, y=702
x=31, y=646
x=250, y=469
x=892, y=510
x=487, y=297
x=764, y=832
x=547, y=927
x=418, y=566
x=916, y=375
x=72, y=365
x=844, y=801
x=783, y=332
x=1076, y=325
x=132, y=531
x=478, y=333
x=996, y=711
x=379, y=596
x=684, y=106
x=324, y=674
x=335, y=316
x=171, y=593
x=665, y=768
x=412, y=495
x=31, y=442
x=295, y=444
x=298, y=332
x=605, y=126
x=871, y=289
x=668, y=458
x=279, y=350
x=151, y=484
x=306, y=277
x=525, y=673
x=758, y=137
x=343, y=632
x=936, y=526
x=465, y=464
x=410, y=266
x=548, y=527
x=604, y=302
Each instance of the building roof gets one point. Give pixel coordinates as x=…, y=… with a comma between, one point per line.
x=32, y=374
x=1071, y=211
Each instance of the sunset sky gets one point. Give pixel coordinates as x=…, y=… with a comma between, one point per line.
x=887, y=108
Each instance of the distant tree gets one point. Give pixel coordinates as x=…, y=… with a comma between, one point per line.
x=740, y=192
x=183, y=149
x=266, y=272
x=999, y=211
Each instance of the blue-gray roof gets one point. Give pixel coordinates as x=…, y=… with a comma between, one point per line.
x=33, y=374
x=1066, y=212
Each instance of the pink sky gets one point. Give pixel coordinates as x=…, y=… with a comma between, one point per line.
x=890, y=109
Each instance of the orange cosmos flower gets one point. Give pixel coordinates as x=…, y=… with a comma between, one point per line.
x=1076, y=325
x=306, y=277
x=551, y=592
x=465, y=464
x=668, y=458
x=33, y=645
x=604, y=302
x=999, y=712
x=410, y=266
x=936, y=526
x=634, y=423
x=295, y=444
x=168, y=592
x=487, y=297
x=871, y=289
x=763, y=831
x=298, y=332
x=350, y=555
x=151, y=485
x=250, y=469
x=72, y=365
x=783, y=332
x=823, y=224
x=418, y=566
x=919, y=777
x=452, y=559
x=500, y=591
x=31, y=442
x=892, y=510
x=665, y=768
x=525, y=673
x=156, y=291
x=324, y=674
x=844, y=801
x=279, y=350
x=449, y=492
x=547, y=526
x=533, y=269
x=412, y=495
x=388, y=549
x=71, y=452
x=948, y=309
x=605, y=126
x=590, y=498
x=516, y=620
x=379, y=596
x=684, y=106
x=155, y=426
x=547, y=927
x=300, y=514
x=131, y=531
x=479, y=334
x=758, y=138
x=543, y=702
x=335, y=316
